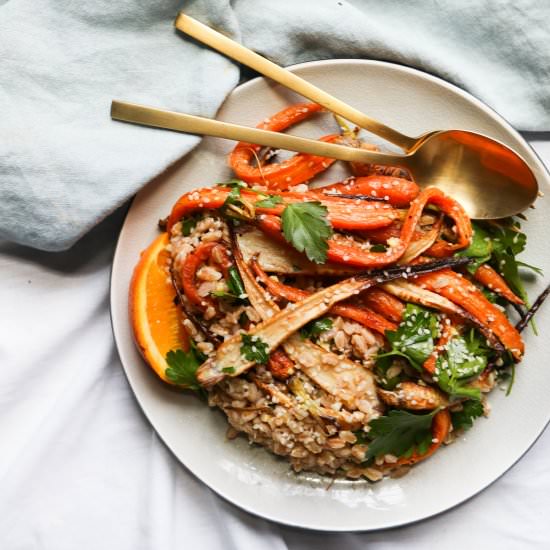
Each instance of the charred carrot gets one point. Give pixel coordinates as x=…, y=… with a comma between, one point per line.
x=384, y=304
x=361, y=315
x=355, y=254
x=343, y=213
x=396, y=191
x=293, y=171
x=280, y=365
x=459, y=290
x=188, y=272
x=463, y=228
x=441, y=424
x=489, y=278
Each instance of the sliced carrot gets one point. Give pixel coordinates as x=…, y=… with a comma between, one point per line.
x=463, y=228
x=381, y=235
x=356, y=255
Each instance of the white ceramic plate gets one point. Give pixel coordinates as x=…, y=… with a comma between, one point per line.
x=253, y=479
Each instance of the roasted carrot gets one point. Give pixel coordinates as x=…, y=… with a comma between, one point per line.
x=396, y=191
x=384, y=304
x=489, y=278
x=279, y=176
x=188, y=272
x=441, y=424
x=459, y=290
x=342, y=213
x=355, y=254
x=362, y=315
x=280, y=365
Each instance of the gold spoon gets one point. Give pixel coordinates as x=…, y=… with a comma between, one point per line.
x=487, y=177
x=191, y=124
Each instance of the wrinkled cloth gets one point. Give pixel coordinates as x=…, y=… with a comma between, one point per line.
x=81, y=468
x=64, y=165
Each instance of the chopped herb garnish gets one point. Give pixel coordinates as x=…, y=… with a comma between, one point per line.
x=234, y=183
x=234, y=197
x=182, y=366
x=235, y=283
x=378, y=247
x=400, y=433
x=237, y=293
x=270, y=202
x=254, y=349
x=361, y=436
x=229, y=370
x=306, y=228
x=315, y=328
x=188, y=223
x=464, y=419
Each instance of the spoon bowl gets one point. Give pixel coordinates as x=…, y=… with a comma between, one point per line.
x=486, y=177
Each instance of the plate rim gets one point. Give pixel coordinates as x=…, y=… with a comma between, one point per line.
x=144, y=408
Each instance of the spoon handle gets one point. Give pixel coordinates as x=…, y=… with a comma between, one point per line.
x=191, y=124
x=247, y=57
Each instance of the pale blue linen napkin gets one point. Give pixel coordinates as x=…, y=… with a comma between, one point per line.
x=64, y=165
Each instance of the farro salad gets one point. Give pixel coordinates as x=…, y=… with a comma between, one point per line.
x=353, y=328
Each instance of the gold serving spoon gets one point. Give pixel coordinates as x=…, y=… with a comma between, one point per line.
x=486, y=176
x=510, y=172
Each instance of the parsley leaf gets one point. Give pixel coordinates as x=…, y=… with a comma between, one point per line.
x=465, y=357
x=229, y=370
x=182, y=366
x=480, y=248
x=414, y=338
x=270, y=202
x=254, y=349
x=464, y=419
x=306, y=228
x=315, y=328
x=399, y=433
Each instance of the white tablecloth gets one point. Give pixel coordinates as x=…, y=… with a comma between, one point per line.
x=80, y=467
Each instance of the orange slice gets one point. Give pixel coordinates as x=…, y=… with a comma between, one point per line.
x=155, y=318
